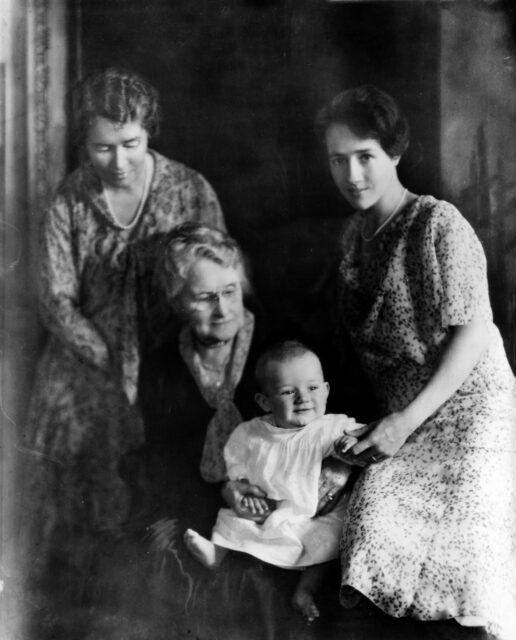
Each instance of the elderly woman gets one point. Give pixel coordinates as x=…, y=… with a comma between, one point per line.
x=82, y=415
x=196, y=387
x=431, y=528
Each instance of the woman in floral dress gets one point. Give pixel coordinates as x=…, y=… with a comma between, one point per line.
x=431, y=525
x=83, y=414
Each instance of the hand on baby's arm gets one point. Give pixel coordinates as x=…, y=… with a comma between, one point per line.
x=342, y=447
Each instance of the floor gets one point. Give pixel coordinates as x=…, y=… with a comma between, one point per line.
x=362, y=624
x=61, y=613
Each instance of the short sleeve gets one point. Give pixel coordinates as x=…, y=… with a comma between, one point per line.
x=456, y=265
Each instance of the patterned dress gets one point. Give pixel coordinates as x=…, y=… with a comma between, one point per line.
x=431, y=532
x=82, y=416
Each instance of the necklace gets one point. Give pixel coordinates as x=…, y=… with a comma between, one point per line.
x=138, y=212
x=386, y=222
x=212, y=375
x=212, y=367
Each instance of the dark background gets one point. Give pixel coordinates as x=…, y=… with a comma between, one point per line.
x=240, y=84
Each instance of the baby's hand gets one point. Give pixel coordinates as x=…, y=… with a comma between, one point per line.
x=342, y=450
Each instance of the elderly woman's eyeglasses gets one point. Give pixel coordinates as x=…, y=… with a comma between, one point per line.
x=209, y=299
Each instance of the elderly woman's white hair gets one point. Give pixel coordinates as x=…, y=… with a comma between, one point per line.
x=190, y=242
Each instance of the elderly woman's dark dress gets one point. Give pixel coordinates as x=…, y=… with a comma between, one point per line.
x=176, y=416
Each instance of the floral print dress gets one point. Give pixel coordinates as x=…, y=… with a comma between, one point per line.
x=83, y=416
x=430, y=533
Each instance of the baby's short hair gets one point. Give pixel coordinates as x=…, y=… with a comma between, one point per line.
x=279, y=352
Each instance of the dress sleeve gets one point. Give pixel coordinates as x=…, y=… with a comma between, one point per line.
x=457, y=267
x=236, y=453
x=59, y=288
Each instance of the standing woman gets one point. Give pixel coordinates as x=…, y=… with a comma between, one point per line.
x=430, y=532
x=83, y=415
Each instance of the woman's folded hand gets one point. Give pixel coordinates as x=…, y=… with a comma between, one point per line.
x=332, y=481
x=248, y=500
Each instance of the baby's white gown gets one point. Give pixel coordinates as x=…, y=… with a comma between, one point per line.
x=286, y=464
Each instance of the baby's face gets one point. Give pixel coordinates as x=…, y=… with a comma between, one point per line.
x=296, y=392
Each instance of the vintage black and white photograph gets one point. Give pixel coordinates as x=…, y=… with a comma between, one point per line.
x=258, y=320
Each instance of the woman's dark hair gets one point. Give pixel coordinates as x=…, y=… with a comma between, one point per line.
x=370, y=113
x=120, y=96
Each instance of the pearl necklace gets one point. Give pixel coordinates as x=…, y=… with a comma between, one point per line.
x=386, y=222
x=138, y=212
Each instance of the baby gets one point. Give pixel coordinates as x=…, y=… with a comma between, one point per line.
x=282, y=453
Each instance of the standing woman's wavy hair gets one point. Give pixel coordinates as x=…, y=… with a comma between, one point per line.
x=370, y=113
x=120, y=96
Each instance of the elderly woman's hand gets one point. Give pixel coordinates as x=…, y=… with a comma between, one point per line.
x=332, y=481
x=384, y=440
x=248, y=500
x=336, y=469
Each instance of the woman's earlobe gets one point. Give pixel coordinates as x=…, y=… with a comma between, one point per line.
x=262, y=401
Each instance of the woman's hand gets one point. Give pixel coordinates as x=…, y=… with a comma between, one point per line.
x=248, y=500
x=385, y=439
x=342, y=449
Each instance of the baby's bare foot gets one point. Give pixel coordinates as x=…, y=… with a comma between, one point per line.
x=203, y=549
x=303, y=601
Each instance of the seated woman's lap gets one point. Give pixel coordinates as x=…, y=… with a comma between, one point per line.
x=428, y=531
